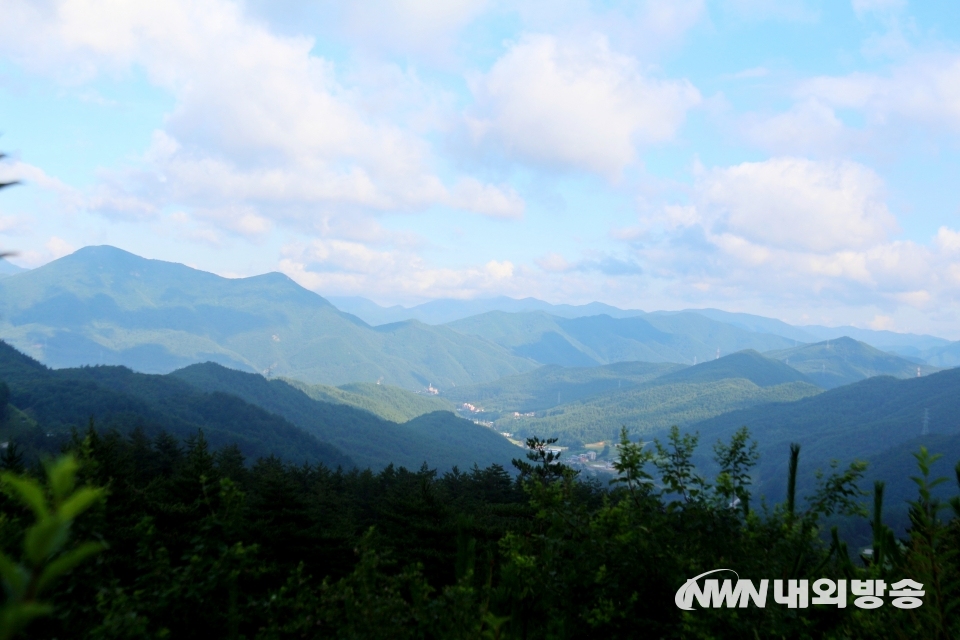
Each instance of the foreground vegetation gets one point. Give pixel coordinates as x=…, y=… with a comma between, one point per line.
x=184, y=542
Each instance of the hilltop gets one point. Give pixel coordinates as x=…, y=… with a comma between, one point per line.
x=844, y=360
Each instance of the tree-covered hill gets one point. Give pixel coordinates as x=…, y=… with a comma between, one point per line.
x=388, y=402
x=370, y=440
x=102, y=305
x=680, y=397
x=264, y=417
x=57, y=401
x=834, y=363
x=747, y=365
x=578, y=342
x=551, y=385
x=859, y=420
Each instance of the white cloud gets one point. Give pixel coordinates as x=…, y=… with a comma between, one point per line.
x=803, y=233
x=421, y=26
x=498, y=202
x=797, y=203
x=58, y=247
x=925, y=90
x=575, y=104
x=809, y=126
x=260, y=124
x=336, y=266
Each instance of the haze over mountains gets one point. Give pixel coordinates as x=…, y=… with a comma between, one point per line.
x=102, y=305
x=446, y=311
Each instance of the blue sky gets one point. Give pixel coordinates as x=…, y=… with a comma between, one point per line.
x=793, y=159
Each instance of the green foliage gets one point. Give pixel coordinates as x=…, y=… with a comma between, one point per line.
x=736, y=461
x=674, y=461
x=46, y=554
x=204, y=545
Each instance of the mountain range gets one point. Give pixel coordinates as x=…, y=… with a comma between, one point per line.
x=262, y=417
x=834, y=363
x=920, y=346
x=102, y=305
x=591, y=405
x=880, y=419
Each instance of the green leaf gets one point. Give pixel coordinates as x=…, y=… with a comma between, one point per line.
x=28, y=492
x=79, y=502
x=13, y=575
x=67, y=562
x=61, y=476
x=14, y=616
x=44, y=539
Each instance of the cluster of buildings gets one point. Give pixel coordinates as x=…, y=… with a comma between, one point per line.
x=517, y=414
x=466, y=407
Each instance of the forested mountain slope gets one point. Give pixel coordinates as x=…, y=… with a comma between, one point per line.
x=439, y=438
x=388, y=402
x=859, y=420
x=681, y=397
x=272, y=418
x=834, y=363
x=551, y=385
x=102, y=305
x=115, y=397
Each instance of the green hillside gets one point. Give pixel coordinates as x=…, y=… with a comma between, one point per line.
x=551, y=385
x=859, y=420
x=834, y=363
x=388, y=402
x=57, y=401
x=682, y=397
x=651, y=409
x=370, y=440
x=746, y=365
x=102, y=305
x=585, y=341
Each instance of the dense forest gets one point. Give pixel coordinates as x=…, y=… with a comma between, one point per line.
x=170, y=538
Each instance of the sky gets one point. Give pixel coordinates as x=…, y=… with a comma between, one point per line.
x=794, y=159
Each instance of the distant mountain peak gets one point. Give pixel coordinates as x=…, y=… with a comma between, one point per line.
x=747, y=364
